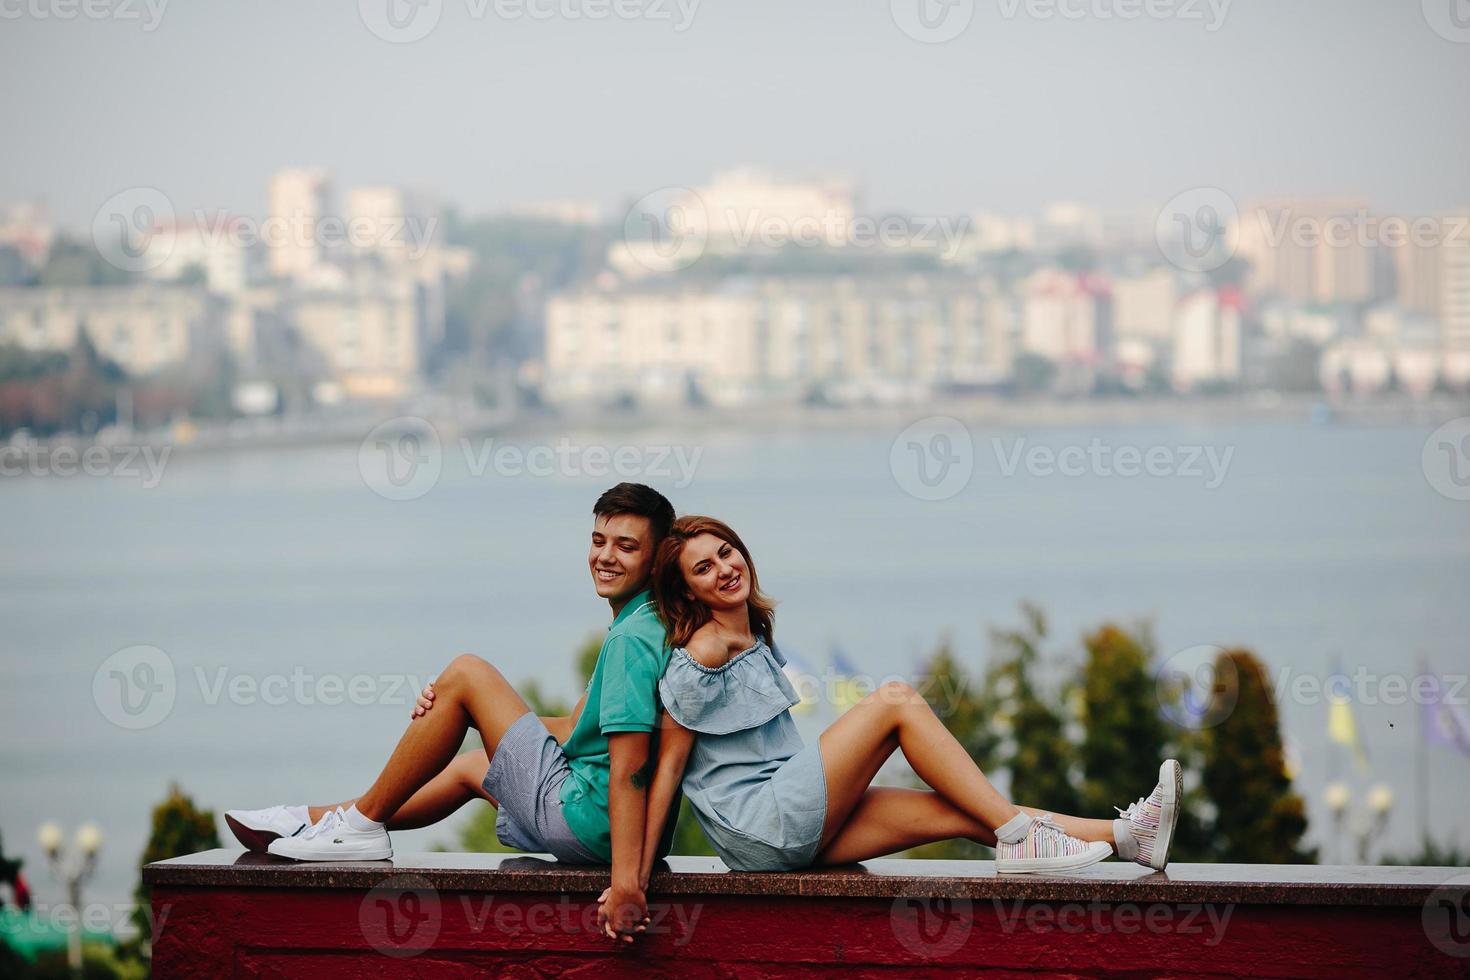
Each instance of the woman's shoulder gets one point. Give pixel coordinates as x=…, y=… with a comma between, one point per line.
x=708, y=647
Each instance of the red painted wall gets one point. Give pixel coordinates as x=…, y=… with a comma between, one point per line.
x=399, y=930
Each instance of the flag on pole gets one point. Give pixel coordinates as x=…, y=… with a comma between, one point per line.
x=1342, y=727
x=1446, y=719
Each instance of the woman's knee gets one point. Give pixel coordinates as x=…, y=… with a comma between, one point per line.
x=898, y=696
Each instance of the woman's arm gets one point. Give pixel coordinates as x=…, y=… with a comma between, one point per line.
x=674, y=743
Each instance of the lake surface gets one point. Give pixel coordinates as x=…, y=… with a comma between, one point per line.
x=271, y=570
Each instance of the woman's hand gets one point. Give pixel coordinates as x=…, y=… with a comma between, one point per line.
x=622, y=914
x=426, y=701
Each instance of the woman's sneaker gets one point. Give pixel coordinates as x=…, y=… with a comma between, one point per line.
x=257, y=828
x=333, y=838
x=1046, y=847
x=1151, y=820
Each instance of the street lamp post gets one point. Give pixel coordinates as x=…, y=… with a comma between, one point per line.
x=72, y=873
x=1365, y=827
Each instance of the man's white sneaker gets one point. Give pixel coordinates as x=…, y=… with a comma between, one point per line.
x=332, y=839
x=1153, y=817
x=257, y=828
x=1048, y=848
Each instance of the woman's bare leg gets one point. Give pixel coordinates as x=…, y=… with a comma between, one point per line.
x=461, y=781
x=1082, y=828
x=896, y=711
x=469, y=693
x=889, y=819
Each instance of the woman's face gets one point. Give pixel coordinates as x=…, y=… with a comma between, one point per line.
x=715, y=572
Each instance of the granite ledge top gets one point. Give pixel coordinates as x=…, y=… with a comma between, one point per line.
x=1255, y=884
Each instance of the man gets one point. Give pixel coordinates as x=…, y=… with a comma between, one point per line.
x=574, y=787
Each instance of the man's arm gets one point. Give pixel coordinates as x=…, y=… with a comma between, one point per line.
x=674, y=743
x=561, y=727
x=627, y=802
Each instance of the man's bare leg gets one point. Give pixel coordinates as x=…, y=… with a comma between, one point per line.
x=461, y=781
x=469, y=693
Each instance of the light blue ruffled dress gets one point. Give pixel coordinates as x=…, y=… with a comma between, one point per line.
x=758, y=792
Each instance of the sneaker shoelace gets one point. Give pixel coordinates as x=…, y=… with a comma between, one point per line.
x=1052, y=840
x=326, y=824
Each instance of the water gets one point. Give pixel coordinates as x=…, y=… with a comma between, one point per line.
x=1321, y=543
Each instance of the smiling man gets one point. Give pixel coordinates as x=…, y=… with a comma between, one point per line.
x=573, y=787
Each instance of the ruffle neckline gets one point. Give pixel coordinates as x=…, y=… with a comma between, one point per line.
x=745, y=692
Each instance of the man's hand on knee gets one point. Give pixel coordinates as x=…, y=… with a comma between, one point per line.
x=426, y=701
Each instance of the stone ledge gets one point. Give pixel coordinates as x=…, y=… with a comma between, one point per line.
x=1246, y=884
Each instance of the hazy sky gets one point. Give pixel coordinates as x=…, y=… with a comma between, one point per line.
x=1283, y=97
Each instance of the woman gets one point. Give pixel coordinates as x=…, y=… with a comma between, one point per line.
x=768, y=803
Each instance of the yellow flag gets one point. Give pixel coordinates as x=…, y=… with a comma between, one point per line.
x=1342, y=728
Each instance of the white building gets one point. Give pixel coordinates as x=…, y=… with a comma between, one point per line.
x=298, y=202
x=1065, y=318
x=1143, y=305
x=393, y=225
x=1207, y=339
x=223, y=247
x=1309, y=250
x=144, y=328
x=777, y=337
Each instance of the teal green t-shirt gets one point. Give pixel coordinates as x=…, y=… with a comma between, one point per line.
x=622, y=696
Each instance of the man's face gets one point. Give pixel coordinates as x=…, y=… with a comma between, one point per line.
x=621, y=558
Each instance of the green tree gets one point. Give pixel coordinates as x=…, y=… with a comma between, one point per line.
x=1259, y=818
x=1124, y=735
x=1034, y=747
x=179, y=827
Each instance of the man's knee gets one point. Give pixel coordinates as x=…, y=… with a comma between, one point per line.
x=465, y=670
